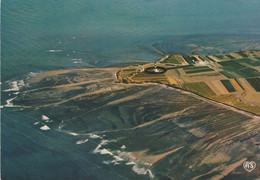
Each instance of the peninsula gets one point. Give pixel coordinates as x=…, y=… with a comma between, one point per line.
x=232, y=79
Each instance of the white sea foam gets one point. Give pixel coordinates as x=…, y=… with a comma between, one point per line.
x=45, y=118
x=130, y=163
x=13, y=85
x=45, y=128
x=31, y=75
x=82, y=141
x=127, y=156
x=94, y=136
x=107, y=162
x=36, y=123
x=103, y=142
x=139, y=170
x=139, y=166
x=54, y=51
x=61, y=125
x=77, y=60
x=9, y=102
x=105, y=151
x=115, y=162
x=20, y=83
x=117, y=158
x=150, y=174
x=73, y=134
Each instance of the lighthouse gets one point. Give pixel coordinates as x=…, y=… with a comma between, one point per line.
x=155, y=68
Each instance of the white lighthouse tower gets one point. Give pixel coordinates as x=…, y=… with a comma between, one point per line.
x=155, y=68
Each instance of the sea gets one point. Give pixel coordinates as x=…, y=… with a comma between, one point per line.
x=44, y=35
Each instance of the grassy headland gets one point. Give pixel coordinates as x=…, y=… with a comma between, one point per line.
x=232, y=79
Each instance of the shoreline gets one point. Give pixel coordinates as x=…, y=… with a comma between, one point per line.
x=114, y=71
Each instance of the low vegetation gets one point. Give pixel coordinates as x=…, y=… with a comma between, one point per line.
x=198, y=70
x=228, y=85
x=199, y=88
x=228, y=75
x=232, y=64
x=242, y=53
x=210, y=59
x=249, y=61
x=172, y=59
x=219, y=56
x=188, y=59
x=255, y=83
x=230, y=57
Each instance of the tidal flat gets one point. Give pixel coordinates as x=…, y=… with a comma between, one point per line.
x=156, y=131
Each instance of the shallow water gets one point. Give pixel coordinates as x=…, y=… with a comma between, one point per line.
x=109, y=32
x=45, y=35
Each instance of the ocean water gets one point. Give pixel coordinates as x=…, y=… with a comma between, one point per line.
x=56, y=142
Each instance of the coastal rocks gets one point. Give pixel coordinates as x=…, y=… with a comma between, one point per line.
x=179, y=135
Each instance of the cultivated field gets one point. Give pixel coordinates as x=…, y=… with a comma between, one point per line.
x=232, y=78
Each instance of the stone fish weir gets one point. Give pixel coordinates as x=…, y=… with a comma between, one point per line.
x=163, y=133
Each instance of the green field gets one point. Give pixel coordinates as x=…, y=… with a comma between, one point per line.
x=241, y=53
x=255, y=83
x=235, y=72
x=228, y=75
x=233, y=64
x=228, y=85
x=198, y=70
x=199, y=88
x=192, y=67
x=172, y=59
x=178, y=72
x=220, y=56
x=188, y=59
x=250, y=72
x=204, y=58
x=230, y=57
x=208, y=75
x=249, y=61
x=213, y=74
x=210, y=59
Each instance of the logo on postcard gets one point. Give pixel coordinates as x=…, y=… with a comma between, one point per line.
x=249, y=165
